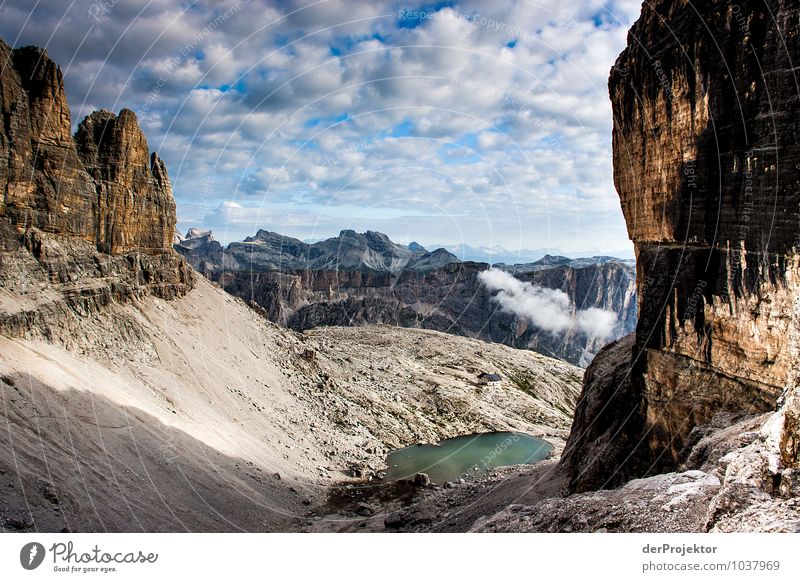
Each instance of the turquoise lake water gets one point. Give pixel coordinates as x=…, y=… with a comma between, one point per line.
x=466, y=456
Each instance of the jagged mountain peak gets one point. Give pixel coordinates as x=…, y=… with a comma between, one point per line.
x=195, y=232
x=349, y=251
x=109, y=189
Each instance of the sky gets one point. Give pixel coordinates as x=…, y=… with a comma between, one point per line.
x=471, y=122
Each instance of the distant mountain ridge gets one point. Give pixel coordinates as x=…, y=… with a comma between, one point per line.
x=368, y=251
x=358, y=279
x=496, y=254
x=271, y=251
x=550, y=261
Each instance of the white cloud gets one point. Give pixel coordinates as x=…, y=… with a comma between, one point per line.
x=596, y=322
x=548, y=309
x=275, y=74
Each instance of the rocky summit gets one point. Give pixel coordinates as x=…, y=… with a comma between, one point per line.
x=103, y=186
x=84, y=221
x=169, y=394
x=350, y=251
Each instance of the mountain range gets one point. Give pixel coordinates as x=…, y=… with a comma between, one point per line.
x=361, y=279
x=139, y=396
x=269, y=251
x=499, y=254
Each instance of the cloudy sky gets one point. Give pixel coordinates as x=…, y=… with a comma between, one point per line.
x=477, y=122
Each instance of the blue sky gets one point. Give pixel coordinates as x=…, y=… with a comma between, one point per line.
x=485, y=123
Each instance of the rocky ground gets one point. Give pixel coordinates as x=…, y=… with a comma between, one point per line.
x=198, y=414
x=184, y=421
x=730, y=482
x=127, y=411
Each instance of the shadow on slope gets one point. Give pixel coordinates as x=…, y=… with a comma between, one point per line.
x=75, y=461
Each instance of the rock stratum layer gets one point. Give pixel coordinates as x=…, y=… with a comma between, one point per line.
x=451, y=299
x=90, y=218
x=102, y=186
x=707, y=166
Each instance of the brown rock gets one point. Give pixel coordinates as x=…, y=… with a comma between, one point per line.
x=104, y=186
x=44, y=183
x=81, y=225
x=707, y=164
x=136, y=210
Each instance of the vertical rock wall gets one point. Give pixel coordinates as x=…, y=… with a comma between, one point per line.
x=706, y=107
x=84, y=222
x=103, y=186
x=135, y=207
x=43, y=182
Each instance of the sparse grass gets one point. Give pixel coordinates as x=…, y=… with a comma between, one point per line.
x=561, y=408
x=523, y=384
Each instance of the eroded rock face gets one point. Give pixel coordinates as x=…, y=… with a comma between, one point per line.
x=43, y=181
x=450, y=299
x=707, y=165
x=135, y=210
x=83, y=222
x=362, y=279
x=104, y=186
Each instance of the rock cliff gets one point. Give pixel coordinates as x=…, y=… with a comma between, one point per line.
x=83, y=221
x=706, y=163
x=135, y=207
x=103, y=186
x=43, y=180
x=450, y=299
x=360, y=279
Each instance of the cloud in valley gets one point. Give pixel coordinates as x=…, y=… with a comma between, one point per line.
x=548, y=309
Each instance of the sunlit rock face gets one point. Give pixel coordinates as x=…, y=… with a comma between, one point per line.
x=103, y=186
x=136, y=210
x=707, y=166
x=84, y=221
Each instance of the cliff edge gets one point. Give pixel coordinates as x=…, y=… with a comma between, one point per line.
x=707, y=166
x=84, y=221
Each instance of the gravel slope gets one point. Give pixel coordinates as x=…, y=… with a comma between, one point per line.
x=177, y=415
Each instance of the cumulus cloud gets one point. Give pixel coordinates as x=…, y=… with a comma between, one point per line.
x=548, y=309
x=596, y=322
x=493, y=112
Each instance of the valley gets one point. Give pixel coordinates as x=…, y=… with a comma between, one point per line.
x=151, y=382
x=359, y=279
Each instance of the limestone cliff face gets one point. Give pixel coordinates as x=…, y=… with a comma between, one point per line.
x=103, y=186
x=450, y=298
x=707, y=166
x=135, y=207
x=43, y=181
x=84, y=221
